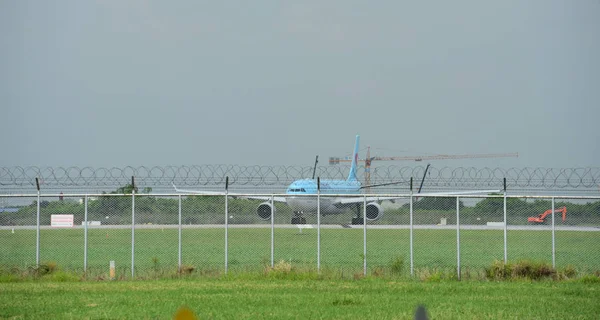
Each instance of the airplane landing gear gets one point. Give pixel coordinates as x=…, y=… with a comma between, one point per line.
x=358, y=219
x=298, y=218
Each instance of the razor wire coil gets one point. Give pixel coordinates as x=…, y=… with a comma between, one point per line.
x=256, y=176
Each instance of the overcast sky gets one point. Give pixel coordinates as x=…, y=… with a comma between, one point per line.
x=131, y=83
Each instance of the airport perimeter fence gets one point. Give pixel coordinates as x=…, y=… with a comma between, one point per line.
x=156, y=235
x=272, y=179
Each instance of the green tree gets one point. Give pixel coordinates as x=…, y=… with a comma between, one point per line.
x=127, y=189
x=436, y=203
x=494, y=205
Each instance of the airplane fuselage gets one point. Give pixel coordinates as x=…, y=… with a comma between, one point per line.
x=302, y=195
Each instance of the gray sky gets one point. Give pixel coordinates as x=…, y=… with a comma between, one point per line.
x=130, y=83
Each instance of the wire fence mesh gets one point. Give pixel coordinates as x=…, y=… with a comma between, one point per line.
x=203, y=247
x=163, y=235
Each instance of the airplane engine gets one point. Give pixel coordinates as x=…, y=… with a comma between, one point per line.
x=374, y=211
x=264, y=210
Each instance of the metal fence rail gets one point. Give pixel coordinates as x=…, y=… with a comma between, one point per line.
x=150, y=235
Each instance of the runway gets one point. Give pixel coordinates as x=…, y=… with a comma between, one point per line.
x=314, y=226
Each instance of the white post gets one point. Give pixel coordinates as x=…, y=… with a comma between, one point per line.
x=318, y=229
x=85, y=234
x=133, y=233
x=226, y=233
x=272, y=232
x=505, y=231
x=37, y=232
x=412, y=265
x=458, y=237
x=553, y=237
x=179, y=238
x=365, y=235
x=111, y=271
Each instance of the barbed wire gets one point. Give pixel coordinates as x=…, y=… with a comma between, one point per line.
x=257, y=176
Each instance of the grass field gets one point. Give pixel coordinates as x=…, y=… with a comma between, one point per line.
x=156, y=250
x=368, y=298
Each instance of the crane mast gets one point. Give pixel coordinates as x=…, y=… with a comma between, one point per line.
x=368, y=160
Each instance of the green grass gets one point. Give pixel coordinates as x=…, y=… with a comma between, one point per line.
x=249, y=249
x=299, y=299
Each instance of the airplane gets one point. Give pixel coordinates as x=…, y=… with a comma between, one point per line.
x=301, y=202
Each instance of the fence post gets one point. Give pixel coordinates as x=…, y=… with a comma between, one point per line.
x=132, y=229
x=179, y=238
x=458, y=237
x=365, y=235
x=553, y=237
x=272, y=231
x=37, y=225
x=226, y=225
x=505, y=227
x=412, y=266
x=85, y=235
x=318, y=224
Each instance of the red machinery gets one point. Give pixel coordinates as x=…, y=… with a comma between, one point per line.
x=541, y=218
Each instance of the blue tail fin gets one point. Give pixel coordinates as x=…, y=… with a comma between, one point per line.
x=352, y=174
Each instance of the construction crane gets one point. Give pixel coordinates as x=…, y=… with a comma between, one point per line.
x=369, y=159
x=541, y=218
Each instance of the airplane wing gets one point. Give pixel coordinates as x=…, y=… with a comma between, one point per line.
x=441, y=194
x=235, y=195
x=362, y=199
x=457, y=193
x=347, y=200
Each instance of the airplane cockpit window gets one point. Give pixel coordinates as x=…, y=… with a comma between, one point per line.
x=298, y=190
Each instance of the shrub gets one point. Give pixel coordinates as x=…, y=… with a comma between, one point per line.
x=283, y=266
x=186, y=269
x=567, y=272
x=533, y=270
x=434, y=275
x=498, y=270
x=358, y=276
x=378, y=271
x=523, y=269
x=42, y=269
x=590, y=279
x=397, y=265
x=280, y=268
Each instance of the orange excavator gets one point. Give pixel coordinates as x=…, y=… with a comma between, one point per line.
x=541, y=218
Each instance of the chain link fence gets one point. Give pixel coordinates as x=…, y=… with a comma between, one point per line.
x=148, y=235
